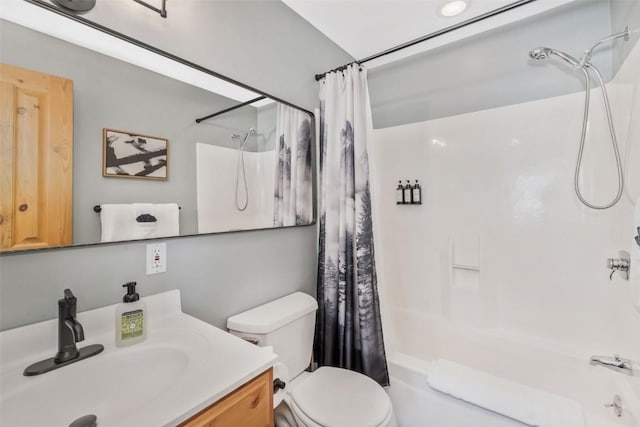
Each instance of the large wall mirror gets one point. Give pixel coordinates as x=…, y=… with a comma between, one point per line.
x=97, y=149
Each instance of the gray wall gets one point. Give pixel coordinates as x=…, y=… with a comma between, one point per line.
x=492, y=69
x=217, y=275
x=220, y=274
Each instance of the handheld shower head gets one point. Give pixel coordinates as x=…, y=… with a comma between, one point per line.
x=540, y=53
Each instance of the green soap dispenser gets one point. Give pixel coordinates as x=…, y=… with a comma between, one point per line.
x=131, y=321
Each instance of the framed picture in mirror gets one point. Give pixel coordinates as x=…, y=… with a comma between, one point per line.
x=133, y=155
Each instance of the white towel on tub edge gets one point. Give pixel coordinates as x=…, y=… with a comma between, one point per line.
x=522, y=403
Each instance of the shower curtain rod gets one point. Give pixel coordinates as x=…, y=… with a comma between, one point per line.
x=430, y=36
x=226, y=110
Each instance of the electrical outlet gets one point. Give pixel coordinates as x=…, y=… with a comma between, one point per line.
x=156, y=258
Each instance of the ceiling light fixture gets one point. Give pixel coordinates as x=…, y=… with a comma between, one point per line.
x=453, y=8
x=76, y=6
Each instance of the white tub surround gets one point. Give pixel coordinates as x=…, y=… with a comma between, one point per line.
x=216, y=171
x=182, y=367
x=634, y=271
x=498, y=193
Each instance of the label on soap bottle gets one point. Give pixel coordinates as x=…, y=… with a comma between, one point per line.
x=131, y=325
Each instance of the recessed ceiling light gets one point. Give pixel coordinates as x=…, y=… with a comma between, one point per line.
x=453, y=8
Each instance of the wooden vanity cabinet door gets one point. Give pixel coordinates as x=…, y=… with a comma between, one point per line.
x=251, y=405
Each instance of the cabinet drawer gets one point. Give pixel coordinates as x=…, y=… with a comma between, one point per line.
x=251, y=405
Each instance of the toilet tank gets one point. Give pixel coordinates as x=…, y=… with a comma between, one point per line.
x=287, y=324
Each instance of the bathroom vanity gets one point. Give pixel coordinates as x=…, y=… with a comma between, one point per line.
x=185, y=373
x=250, y=405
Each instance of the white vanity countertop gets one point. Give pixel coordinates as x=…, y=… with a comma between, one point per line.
x=182, y=367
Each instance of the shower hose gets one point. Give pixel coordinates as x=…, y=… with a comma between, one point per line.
x=583, y=136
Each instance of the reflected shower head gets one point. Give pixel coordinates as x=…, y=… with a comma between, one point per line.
x=540, y=53
x=251, y=131
x=234, y=136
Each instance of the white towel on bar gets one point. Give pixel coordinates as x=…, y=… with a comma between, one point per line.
x=144, y=230
x=119, y=221
x=168, y=216
x=528, y=405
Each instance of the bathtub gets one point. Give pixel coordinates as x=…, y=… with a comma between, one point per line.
x=552, y=369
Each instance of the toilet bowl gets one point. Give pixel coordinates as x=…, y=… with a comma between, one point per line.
x=339, y=397
x=326, y=397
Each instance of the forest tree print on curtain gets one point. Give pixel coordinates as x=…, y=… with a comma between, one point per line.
x=293, y=195
x=349, y=327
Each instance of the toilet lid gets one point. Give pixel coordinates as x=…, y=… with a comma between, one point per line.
x=335, y=397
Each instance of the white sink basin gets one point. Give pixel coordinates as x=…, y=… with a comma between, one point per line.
x=170, y=376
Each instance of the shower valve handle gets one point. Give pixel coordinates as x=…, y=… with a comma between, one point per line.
x=637, y=238
x=621, y=264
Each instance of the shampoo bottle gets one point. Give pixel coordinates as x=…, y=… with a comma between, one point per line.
x=407, y=193
x=416, y=194
x=400, y=194
x=131, y=319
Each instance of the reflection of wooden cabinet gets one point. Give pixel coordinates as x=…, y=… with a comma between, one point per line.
x=36, y=159
x=248, y=406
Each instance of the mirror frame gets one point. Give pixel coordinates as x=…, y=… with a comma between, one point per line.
x=52, y=8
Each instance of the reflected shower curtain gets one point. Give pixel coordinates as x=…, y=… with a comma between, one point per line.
x=293, y=198
x=349, y=327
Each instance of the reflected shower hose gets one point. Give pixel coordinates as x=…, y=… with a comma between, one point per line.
x=583, y=136
x=244, y=180
x=241, y=165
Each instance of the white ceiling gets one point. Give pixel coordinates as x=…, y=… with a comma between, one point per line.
x=365, y=27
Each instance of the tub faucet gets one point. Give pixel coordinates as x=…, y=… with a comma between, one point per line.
x=614, y=363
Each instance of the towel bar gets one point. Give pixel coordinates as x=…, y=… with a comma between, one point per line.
x=98, y=208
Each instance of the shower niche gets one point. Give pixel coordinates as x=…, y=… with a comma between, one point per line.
x=466, y=298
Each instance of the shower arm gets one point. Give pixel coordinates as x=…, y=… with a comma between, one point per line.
x=587, y=53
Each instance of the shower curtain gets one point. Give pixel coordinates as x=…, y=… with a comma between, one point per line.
x=349, y=327
x=293, y=195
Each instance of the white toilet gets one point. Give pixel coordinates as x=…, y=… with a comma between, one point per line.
x=327, y=397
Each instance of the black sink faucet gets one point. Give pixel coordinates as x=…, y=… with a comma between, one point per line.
x=69, y=329
x=69, y=333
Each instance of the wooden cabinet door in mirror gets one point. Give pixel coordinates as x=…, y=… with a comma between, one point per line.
x=36, y=160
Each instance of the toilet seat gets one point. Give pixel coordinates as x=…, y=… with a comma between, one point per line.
x=338, y=398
